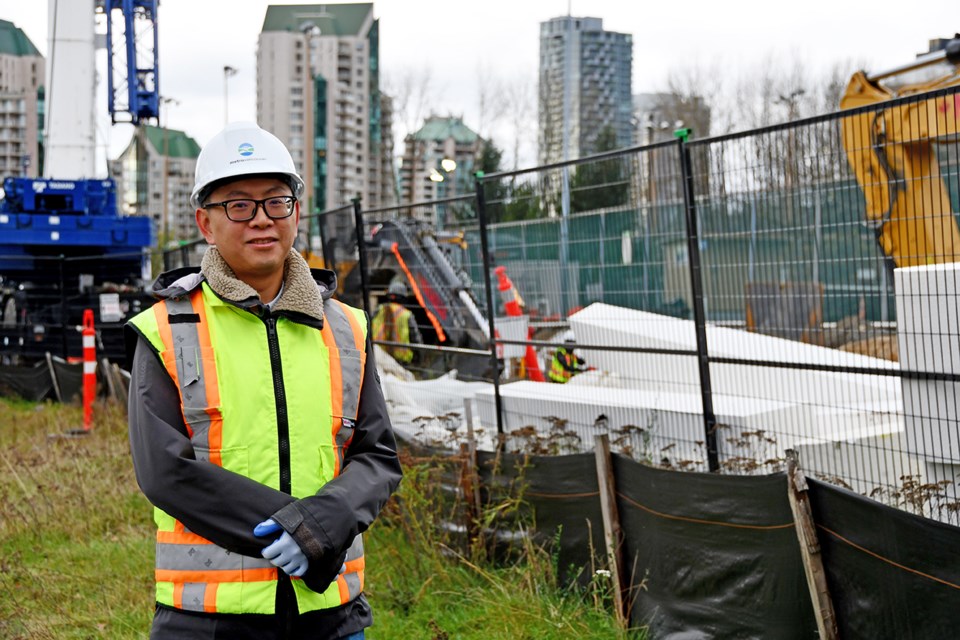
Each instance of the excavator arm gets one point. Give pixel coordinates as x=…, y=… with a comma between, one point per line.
x=892, y=154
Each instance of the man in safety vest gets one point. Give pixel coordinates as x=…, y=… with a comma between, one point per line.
x=565, y=363
x=393, y=322
x=257, y=426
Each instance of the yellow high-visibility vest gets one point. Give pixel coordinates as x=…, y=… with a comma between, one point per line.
x=397, y=316
x=220, y=361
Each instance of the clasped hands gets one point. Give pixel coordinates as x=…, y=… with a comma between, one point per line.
x=284, y=552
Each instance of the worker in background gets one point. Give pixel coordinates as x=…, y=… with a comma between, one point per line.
x=257, y=428
x=393, y=322
x=565, y=363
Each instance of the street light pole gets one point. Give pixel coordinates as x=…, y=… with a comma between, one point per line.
x=227, y=72
x=311, y=32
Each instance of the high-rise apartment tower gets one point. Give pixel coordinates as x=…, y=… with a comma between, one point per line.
x=318, y=90
x=584, y=88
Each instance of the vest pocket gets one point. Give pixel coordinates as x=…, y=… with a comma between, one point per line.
x=196, y=376
x=233, y=458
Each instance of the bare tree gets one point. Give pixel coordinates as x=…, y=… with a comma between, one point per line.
x=518, y=97
x=777, y=90
x=491, y=101
x=413, y=93
x=413, y=96
x=693, y=95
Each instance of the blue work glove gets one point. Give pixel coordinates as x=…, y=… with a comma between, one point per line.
x=284, y=552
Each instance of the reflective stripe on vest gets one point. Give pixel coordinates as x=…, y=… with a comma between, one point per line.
x=184, y=330
x=192, y=573
x=342, y=333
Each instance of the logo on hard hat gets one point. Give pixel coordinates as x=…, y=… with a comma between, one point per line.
x=245, y=149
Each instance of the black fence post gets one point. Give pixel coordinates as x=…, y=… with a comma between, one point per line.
x=325, y=251
x=696, y=290
x=361, y=255
x=63, y=305
x=488, y=287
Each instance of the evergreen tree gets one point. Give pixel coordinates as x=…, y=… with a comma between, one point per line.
x=601, y=183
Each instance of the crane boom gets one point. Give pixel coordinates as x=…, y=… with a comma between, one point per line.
x=133, y=90
x=70, y=136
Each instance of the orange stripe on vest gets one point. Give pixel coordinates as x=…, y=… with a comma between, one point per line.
x=210, y=577
x=215, y=433
x=180, y=536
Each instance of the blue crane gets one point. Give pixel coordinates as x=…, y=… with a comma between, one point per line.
x=64, y=244
x=133, y=90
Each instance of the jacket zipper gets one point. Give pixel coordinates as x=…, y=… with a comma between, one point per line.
x=279, y=394
x=285, y=600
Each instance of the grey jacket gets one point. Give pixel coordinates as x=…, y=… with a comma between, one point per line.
x=223, y=506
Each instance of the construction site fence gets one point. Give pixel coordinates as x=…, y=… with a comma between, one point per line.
x=728, y=296
x=43, y=299
x=706, y=555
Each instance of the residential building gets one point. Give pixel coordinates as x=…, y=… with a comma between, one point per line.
x=584, y=87
x=318, y=90
x=22, y=71
x=657, y=115
x=155, y=176
x=438, y=160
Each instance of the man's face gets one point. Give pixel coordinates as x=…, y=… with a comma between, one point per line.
x=257, y=248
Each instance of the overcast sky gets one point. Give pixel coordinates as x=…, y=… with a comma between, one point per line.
x=457, y=41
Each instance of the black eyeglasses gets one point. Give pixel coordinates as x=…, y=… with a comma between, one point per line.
x=276, y=207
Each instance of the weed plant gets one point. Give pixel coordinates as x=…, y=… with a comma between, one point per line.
x=433, y=574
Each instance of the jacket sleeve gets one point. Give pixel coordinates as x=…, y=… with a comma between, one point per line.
x=220, y=505
x=414, y=330
x=325, y=524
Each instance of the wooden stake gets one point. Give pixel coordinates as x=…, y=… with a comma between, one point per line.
x=107, y=370
x=612, y=533
x=797, y=491
x=53, y=377
x=120, y=384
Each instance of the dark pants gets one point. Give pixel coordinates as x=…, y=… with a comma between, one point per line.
x=342, y=623
x=169, y=624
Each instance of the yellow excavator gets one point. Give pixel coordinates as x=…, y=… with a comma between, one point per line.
x=893, y=155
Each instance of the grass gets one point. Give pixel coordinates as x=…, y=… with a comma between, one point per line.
x=75, y=533
x=76, y=550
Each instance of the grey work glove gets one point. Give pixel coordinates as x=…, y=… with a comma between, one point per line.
x=284, y=552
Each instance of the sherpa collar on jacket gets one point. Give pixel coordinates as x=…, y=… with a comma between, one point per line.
x=301, y=293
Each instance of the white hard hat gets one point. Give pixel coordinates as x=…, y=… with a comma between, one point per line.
x=242, y=149
x=398, y=288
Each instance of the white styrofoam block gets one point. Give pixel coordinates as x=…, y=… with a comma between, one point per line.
x=669, y=425
x=659, y=331
x=928, y=317
x=512, y=328
x=932, y=427
x=928, y=337
x=606, y=325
